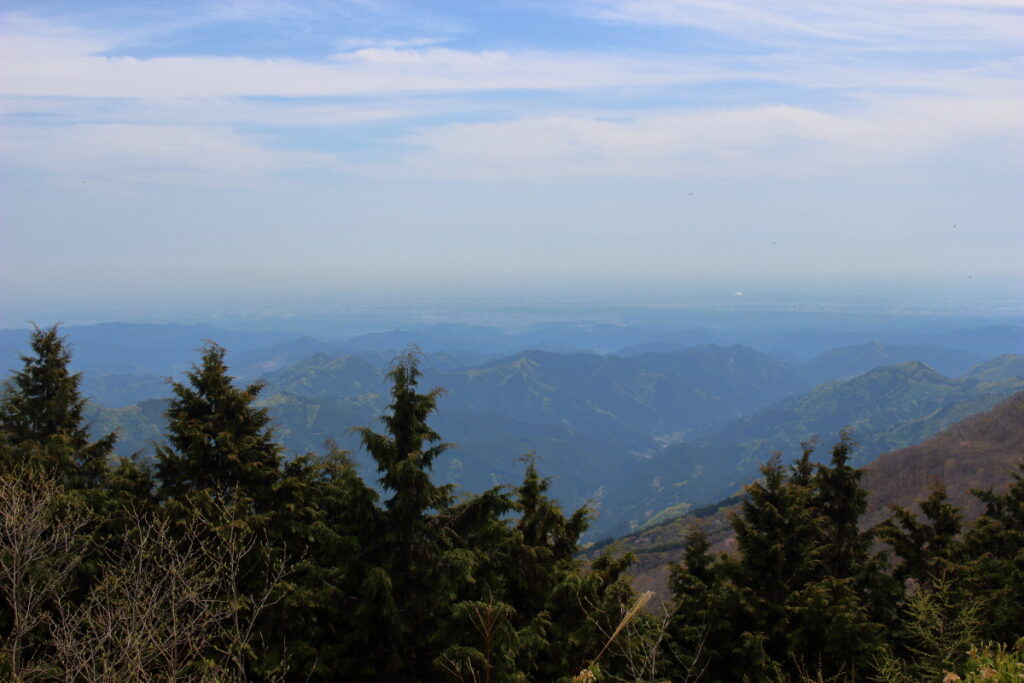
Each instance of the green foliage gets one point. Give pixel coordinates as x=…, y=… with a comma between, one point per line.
x=218, y=440
x=41, y=416
x=995, y=662
x=994, y=554
x=938, y=627
x=796, y=596
x=929, y=547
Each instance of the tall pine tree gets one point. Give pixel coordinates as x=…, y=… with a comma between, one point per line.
x=41, y=415
x=417, y=569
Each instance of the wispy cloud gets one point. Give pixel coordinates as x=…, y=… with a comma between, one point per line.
x=46, y=61
x=126, y=154
x=780, y=141
x=347, y=44
x=850, y=106
x=951, y=24
x=384, y=120
x=243, y=112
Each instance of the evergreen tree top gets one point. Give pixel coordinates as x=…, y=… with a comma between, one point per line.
x=42, y=399
x=219, y=440
x=41, y=413
x=406, y=451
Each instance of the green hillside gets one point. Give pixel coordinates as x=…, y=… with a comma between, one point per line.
x=885, y=408
x=1007, y=366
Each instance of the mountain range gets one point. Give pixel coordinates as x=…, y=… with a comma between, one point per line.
x=884, y=408
x=642, y=436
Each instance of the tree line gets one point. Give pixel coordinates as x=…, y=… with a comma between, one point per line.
x=219, y=558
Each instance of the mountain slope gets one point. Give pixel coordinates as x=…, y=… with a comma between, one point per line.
x=1007, y=366
x=979, y=452
x=886, y=408
x=652, y=393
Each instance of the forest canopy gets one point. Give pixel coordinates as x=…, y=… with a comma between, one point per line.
x=224, y=558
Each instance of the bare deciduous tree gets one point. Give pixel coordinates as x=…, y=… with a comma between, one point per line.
x=154, y=614
x=167, y=607
x=168, y=603
x=40, y=538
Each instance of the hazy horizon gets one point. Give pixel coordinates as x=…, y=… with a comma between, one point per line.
x=517, y=310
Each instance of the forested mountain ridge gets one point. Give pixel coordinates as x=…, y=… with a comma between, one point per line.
x=975, y=453
x=648, y=392
x=850, y=361
x=166, y=349
x=583, y=414
x=1002, y=367
x=589, y=416
x=885, y=408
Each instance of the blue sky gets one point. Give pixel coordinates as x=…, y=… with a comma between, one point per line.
x=225, y=149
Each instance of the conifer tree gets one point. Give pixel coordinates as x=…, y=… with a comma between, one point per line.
x=222, y=467
x=41, y=415
x=701, y=638
x=777, y=533
x=927, y=548
x=417, y=570
x=545, y=539
x=795, y=600
x=842, y=501
x=995, y=561
x=326, y=518
x=458, y=589
x=218, y=440
x=566, y=610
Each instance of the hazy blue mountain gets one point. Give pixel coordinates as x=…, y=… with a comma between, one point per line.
x=814, y=339
x=868, y=404
x=440, y=362
x=583, y=414
x=886, y=408
x=260, y=361
x=599, y=423
x=850, y=361
x=134, y=349
x=676, y=341
x=137, y=425
x=625, y=399
x=432, y=338
x=590, y=336
x=650, y=394
x=787, y=357
x=326, y=376
x=1003, y=367
x=486, y=451
x=984, y=341
x=117, y=391
x=979, y=452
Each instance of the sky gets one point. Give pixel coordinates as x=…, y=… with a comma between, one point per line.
x=227, y=150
